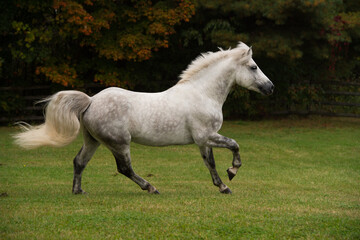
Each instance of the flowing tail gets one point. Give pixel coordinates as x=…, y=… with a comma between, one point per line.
x=62, y=124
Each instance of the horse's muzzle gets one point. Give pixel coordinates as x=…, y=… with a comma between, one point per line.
x=266, y=88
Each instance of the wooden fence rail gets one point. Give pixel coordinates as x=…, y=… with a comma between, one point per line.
x=339, y=98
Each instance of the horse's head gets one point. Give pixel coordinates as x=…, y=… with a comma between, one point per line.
x=248, y=74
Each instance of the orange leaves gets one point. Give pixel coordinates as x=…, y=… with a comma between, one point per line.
x=88, y=2
x=161, y=44
x=65, y=37
x=114, y=54
x=142, y=27
x=186, y=10
x=62, y=74
x=103, y=19
x=77, y=17
x=314, y=3
x=150, y=26
x=158, y=28
x=170, y=17
x=182, y=12
x=85, y=30
x=144, y=54
x=109, y=79
x=59, y=4
x=133, y=47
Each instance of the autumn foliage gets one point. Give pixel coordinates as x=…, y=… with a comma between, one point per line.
x=66, y=39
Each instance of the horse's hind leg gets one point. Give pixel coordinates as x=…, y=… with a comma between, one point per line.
x=208, y=157
x=82, y=158
x=123, y=162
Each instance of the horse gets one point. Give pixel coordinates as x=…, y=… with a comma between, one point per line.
x=187, y=113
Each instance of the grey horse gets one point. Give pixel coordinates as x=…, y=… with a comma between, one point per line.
x=189, y=112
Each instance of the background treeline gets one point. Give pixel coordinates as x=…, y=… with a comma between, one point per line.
x=301, y=45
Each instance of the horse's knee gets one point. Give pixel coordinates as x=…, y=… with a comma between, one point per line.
x=234, y=146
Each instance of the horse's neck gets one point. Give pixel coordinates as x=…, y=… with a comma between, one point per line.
x=215, y=82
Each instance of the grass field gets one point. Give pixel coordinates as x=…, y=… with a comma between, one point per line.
x=300, y=179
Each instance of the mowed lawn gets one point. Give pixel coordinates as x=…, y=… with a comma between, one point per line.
x=300, y=179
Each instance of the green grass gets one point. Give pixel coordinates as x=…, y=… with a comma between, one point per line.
x=300, y=179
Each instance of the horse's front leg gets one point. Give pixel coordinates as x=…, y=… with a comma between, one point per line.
x=208, y=157
x=217, y=140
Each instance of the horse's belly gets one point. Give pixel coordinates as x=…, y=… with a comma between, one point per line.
x=162, y=142
x=163, y=136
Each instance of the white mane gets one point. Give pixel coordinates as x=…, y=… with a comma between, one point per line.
x=206, y=59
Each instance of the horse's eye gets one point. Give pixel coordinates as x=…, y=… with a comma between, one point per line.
x=254, y=67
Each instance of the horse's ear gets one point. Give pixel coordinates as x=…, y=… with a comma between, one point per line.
x=241, y=56
x=249, y=52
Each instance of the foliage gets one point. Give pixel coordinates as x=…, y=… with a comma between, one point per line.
x=10, y=104
x=282, y=29
x=70, y=40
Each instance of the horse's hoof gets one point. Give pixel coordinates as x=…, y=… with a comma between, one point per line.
x=226, y=191
x=230, y=174
x=151, y=189
x=154, y=192
x=79, y=192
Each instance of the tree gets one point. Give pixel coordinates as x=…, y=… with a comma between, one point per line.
x=70, y=41
x=288, y=30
